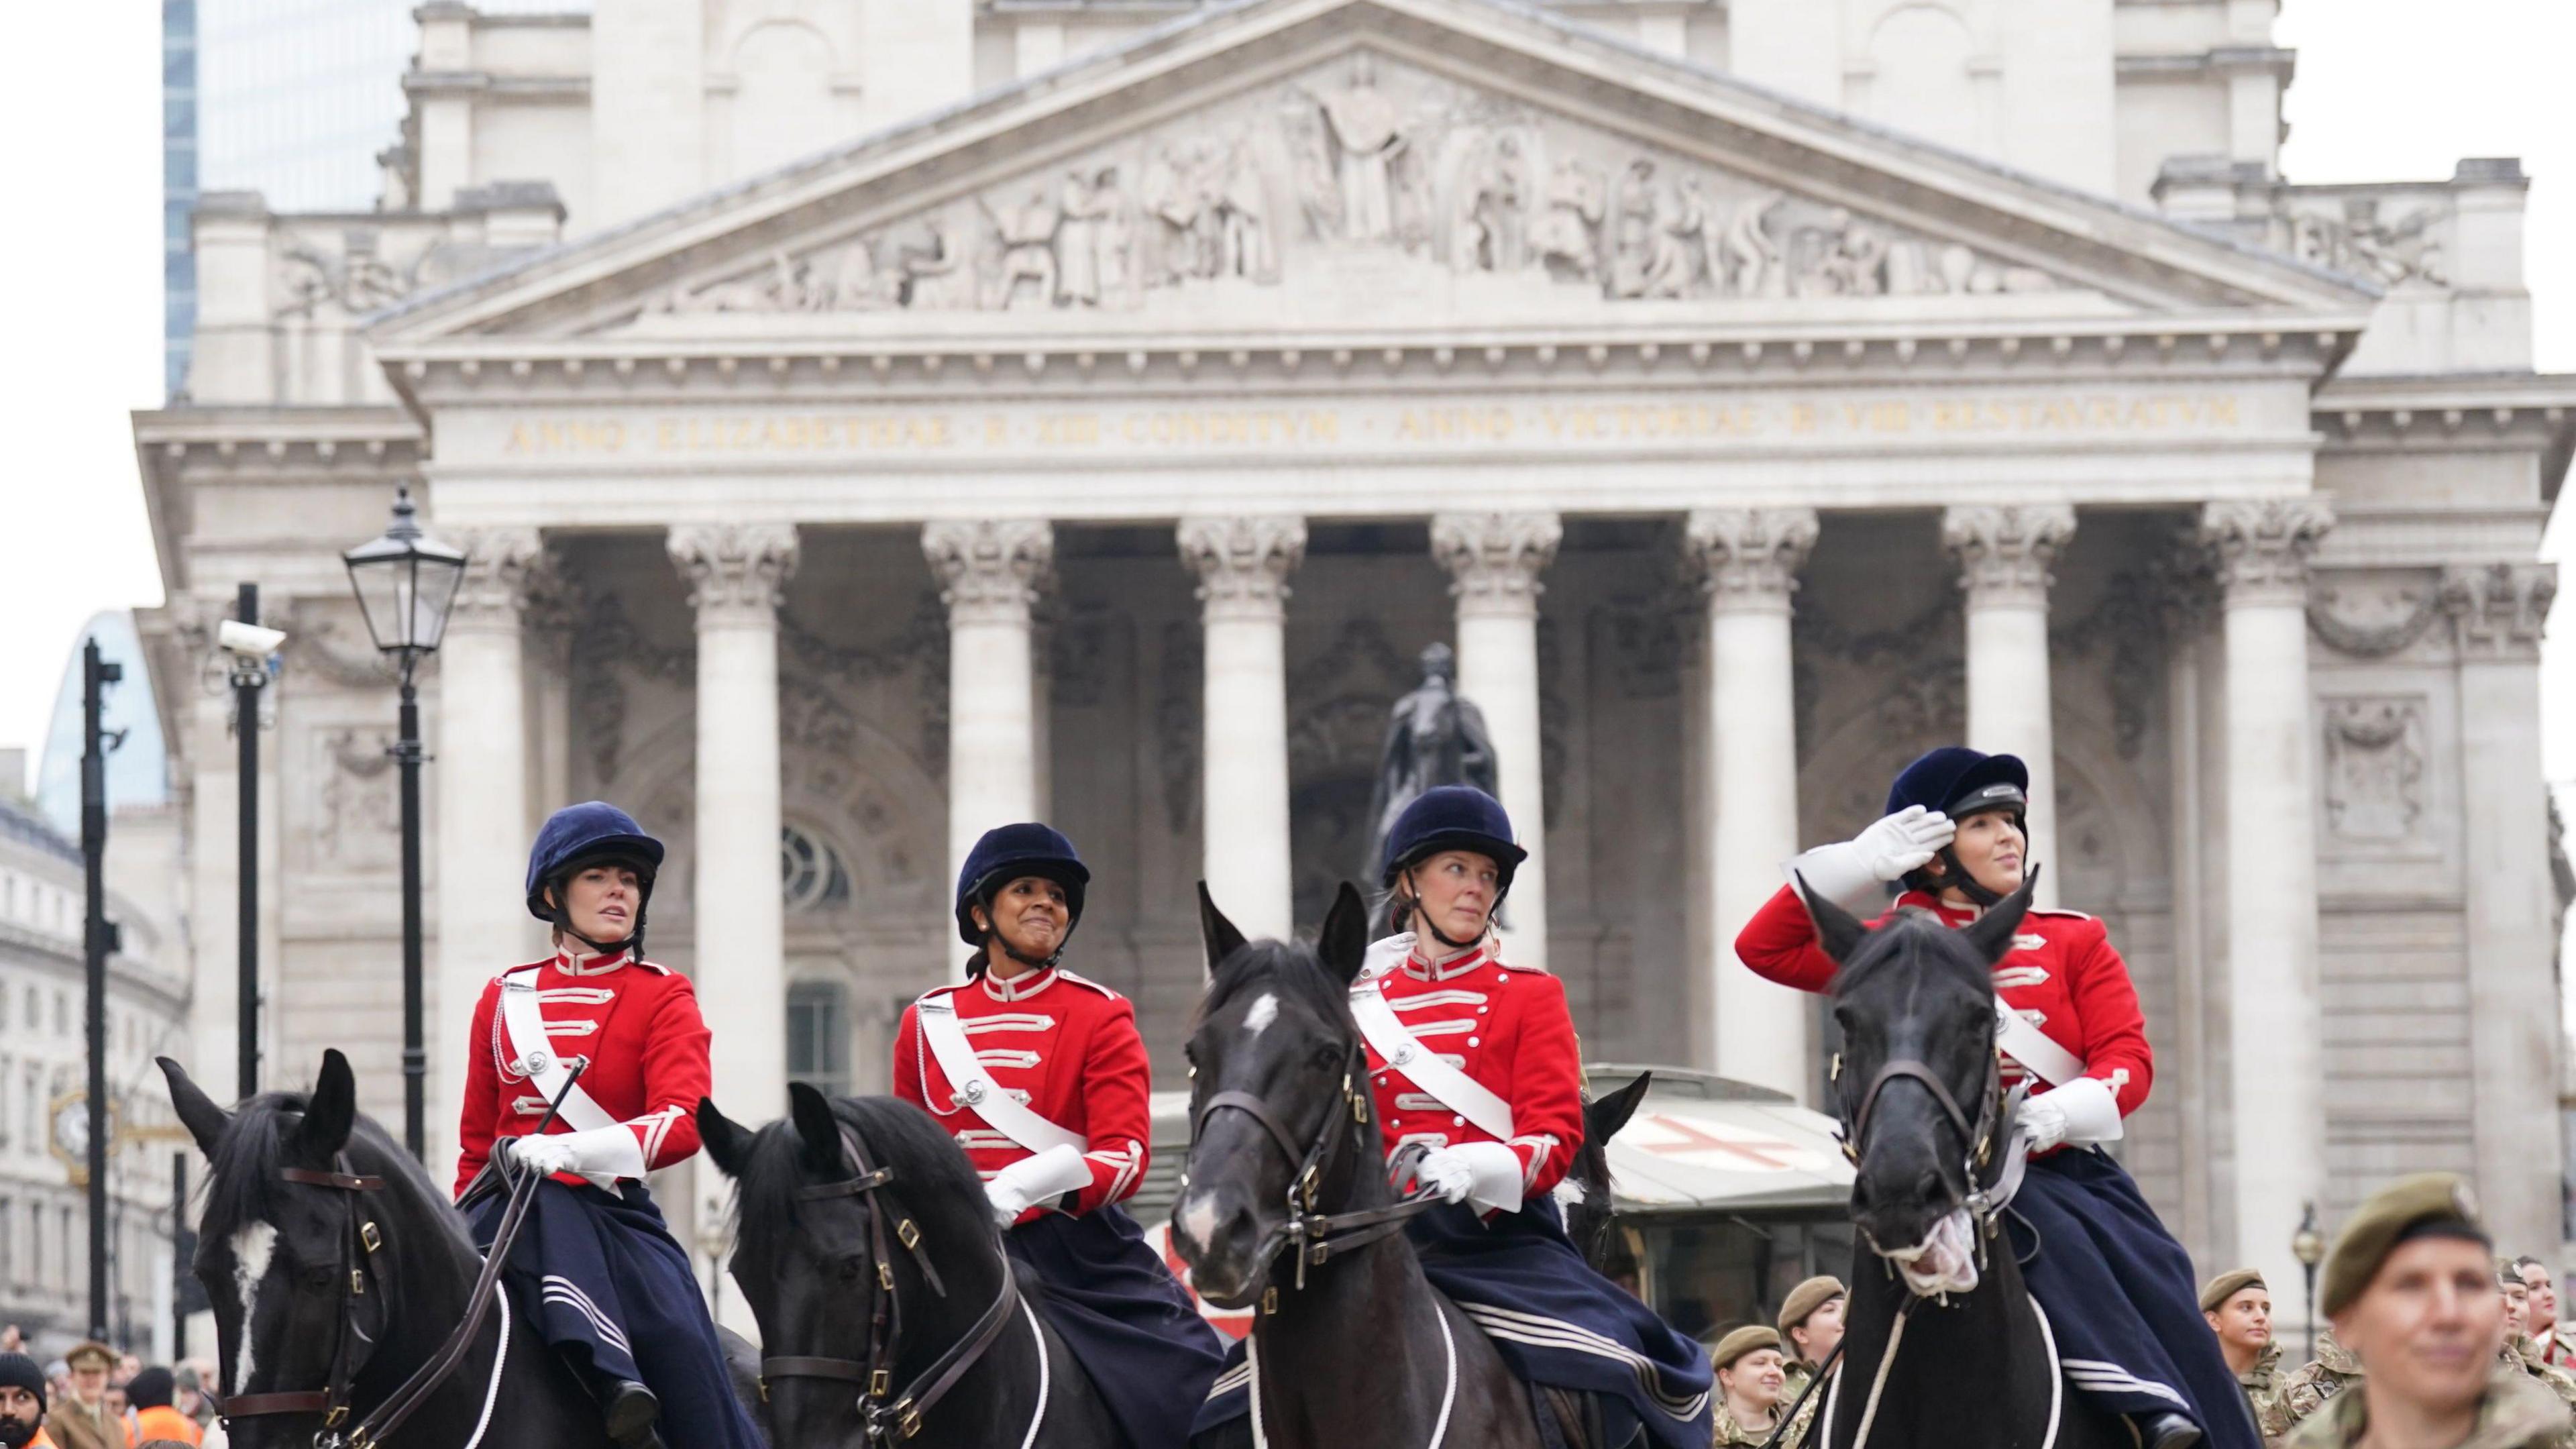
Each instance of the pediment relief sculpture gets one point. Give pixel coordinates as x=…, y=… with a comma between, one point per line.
x=1364, y=180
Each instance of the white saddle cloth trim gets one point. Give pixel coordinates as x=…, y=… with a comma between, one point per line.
x=1002, y=1111
x=2028, y=1045
x=534, y=1056
x=1434, y=1074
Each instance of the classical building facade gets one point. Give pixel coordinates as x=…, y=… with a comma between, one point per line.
x=874, y=422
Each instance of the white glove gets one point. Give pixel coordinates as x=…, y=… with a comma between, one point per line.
x=1487, y=1174
x=609, y=1153
x=2081, y=1112
x=546, y=1155
x=1032, y=1180
x=1850, y=872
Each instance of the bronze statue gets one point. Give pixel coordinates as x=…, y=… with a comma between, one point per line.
x=1433, y=737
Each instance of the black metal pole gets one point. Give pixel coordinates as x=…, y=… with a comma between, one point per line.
x=179, y=1265
x=247, y=679
x=97, y=939
x=415, y=1058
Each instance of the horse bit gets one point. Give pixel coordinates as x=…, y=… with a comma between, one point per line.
x=889, y=1416
x=1985, y=1201
x=1317, y=1236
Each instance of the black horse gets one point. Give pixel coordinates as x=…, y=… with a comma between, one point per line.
x=1587, y=1193
x=336, y=1269
x=1926, y=1119
x=1357, y=1348
x=865, y=1243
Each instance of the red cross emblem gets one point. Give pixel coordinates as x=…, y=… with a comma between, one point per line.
x=1681, y=1137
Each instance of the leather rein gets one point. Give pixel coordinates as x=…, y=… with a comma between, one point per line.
x=331, y=1401
x=890, y=1416
x=1317, y=1237
x=1978, y=1138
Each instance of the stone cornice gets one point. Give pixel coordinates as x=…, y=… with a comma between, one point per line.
x=737, y=573
x=1242, y=563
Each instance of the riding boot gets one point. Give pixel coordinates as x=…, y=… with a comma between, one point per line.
x=2167, y=1431
x=629, y=1411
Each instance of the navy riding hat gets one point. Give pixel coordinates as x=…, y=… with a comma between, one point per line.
x=1452, y=817
x=1960, y=782
x=1008, y=852
x=591, y=833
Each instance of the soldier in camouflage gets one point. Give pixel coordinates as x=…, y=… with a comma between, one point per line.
x=2238, y=1308
x=1752, y=1382
x=2522, y=1353
x=1811, y=1325
x=2304, y=1390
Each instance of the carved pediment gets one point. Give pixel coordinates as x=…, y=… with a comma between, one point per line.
x=1358, y=185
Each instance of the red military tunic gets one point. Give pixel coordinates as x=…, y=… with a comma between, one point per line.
x=1509, y=1028
x=636, y=1023
x=2061, y=974
x=1067, y=1047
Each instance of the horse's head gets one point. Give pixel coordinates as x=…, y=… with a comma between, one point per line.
x=1915, y=1084
x=1275, y=1030
x=1585, y=1193
x=812, y=1230
x=297, y=1195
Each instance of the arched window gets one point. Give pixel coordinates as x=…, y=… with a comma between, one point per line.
x=810, y=871
x=818, y=1035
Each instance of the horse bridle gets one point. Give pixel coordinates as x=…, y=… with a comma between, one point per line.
x=1977, y=1138
x=890, y=1416
x=1318, y=1237
x=331, y=1401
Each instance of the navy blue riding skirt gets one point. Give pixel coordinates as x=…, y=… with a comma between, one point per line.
x=1555, y=1322
x=606, y=1286
x=2119, y=1297
x=1111, y=1299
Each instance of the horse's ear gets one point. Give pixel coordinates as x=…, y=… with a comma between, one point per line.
x=1222, y=938
x=1992, y=933
x=1838, y=931
x=815, y=1123
x=1602, y=1118
x=197, y=1112
x=332, y=1110
x=725, y=1139
x=1343, y=944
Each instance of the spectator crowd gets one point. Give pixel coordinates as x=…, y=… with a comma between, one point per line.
x=94, y=1397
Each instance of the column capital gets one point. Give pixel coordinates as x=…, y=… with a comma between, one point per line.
x=494, y=589
x=2498, y=609
x=989, y=569
x=1243, y=563
x=553, y=604
x=1494, y=559
x=737, y=572
x=2261, y=546
x=1749, y=557
x=2005, y=552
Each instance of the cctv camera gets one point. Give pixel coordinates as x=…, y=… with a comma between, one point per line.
x=248, y=641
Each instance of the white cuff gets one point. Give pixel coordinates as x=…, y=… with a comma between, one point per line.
x=2092, y=1110
x=1839, y=873
x=610, y=1151
x=1496, y=1170
x=1048, y=1175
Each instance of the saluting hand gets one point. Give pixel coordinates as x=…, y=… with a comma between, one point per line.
x=1904, y=841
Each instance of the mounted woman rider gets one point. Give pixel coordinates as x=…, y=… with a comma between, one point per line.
x=1475, y=1060
x=595, y=1267
x=1042, y=1078
x=2116, y=1288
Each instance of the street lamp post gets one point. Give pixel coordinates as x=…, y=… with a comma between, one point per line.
x=406, y=582
x=2309, y=1246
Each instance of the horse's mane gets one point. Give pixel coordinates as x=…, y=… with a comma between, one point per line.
x=931, y=1175
x=1285, y=966
x=1918, y=938
x=242, y=1181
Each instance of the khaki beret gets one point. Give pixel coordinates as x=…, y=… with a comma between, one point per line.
x=2385, y=1219
x=90, y=1353
x=1741, y=1342
x=1806, y=1298
x=2227, y=1285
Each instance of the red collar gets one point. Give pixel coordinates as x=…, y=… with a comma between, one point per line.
x=1924, y=901
x=1422, y=969
x=1018, y=988
x=572, y=962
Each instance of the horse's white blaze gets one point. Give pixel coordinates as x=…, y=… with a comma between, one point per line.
x=1569, y=1193
x=252, y=1247
x=1263, y=1012
x=1197, y=1221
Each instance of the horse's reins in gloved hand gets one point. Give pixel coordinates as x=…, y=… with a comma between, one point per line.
x=385, y=1418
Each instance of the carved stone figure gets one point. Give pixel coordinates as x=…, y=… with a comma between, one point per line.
x=1433, y=737
x=1243, y=219
x=1028, y=238
x=1493, y=232
x=1567, y=238
x=1077, y=242
x=2360, y=243
x=1319, y=196
x=1749, y=257
x=1114, y=224
x=1634, y=231
x=1854, y=267
x=1368, y=134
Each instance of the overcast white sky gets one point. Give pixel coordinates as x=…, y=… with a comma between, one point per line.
x=2386, y=89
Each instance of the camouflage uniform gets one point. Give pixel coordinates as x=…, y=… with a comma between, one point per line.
x=2524, y=1354
x=2515, y=1413
x=2261, y=1381
x=2305, y=1389
x=1729, y=1432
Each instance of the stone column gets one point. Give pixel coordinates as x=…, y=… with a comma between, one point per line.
x=554, y=616
x=480, y=773
x=1243, y=566
x=2498, y=611
x=1750, y=559
x=2277, y=1071
x=736, y=573
x=1494, y=560
x=989, y=571
x=2004, y=559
